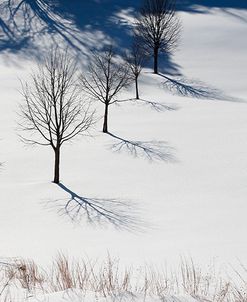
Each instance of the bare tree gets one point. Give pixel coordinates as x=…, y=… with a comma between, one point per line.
x=135, y=58
x=53, y=111
x=106, y=77
x=158, y=27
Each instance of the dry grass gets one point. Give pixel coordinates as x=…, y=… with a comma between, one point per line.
x=201, y=285
x=239, y=291
x=109, y=278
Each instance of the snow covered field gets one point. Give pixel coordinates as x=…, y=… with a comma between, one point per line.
x=190, y=200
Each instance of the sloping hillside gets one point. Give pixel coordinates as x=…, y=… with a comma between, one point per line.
x=174, y=178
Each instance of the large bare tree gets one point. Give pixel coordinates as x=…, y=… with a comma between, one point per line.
x=105, y=78
x=158, y=27
x=53, y=112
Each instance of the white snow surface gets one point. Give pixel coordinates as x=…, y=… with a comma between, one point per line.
x=191, y=202
x=77, y=296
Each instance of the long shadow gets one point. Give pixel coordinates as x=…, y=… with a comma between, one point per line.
x=23, y=20
x=156, y=106
x=151, y=150
x=195, y=89
x=110, y=16
x=30, y=27
x=122, y=215
x=205, y=6
x=238, y=15
x=195, y=6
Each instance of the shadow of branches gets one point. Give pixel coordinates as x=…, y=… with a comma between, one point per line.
x=30, y=27
x=151, y=150
x=201, y=6
x=195, y=89
x=23, y=20
x=122, y=215
x=156, y=106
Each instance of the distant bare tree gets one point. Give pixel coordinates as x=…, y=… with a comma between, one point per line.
x=158, y=27
x=53, y=111
x=105, y=78
x=135, y=58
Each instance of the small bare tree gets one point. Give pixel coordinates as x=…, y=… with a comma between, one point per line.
x=135, y=58
x=158, y=27
x=105, y=78
x=53, y=111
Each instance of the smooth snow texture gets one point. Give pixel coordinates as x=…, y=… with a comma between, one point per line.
x=77, y=296
x=190, y=200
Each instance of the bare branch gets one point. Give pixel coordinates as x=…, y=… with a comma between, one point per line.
x=105, y=78
x=53, y=111
x=158, y=28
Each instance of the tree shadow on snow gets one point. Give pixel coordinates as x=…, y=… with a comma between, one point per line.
x=195, y=89
x=205, y=6
x=80, y=24
x=122, y=215
x=30, y=27
x=195, y=6
x=151, y=150
x=156, y=106
x=23, y=20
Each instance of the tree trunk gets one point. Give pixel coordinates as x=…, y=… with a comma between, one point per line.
x=156, y=55
x=137, y=90
x=57, y=165
x=105, y=125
